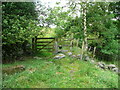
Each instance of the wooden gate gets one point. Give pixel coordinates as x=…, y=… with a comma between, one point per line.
x=43, y=44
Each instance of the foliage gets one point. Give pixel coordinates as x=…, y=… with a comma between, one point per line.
x=59, y=18
x=100, y=25
x=43, y=12
x=19, y=26
x=115, y=8
x=18, y=22
x=99, y=22
x=19, y=29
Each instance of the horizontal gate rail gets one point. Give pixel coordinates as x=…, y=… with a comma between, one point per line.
x=45, y=38
x=43, y=44
x=92, y=38
x=45, y=48
x=47, y=44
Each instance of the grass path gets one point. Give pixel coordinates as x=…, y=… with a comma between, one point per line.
x=64, y=73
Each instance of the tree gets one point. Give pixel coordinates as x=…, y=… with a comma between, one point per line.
x=100, y=23
x=115, y=8
x=95, y=20
x=19, y=26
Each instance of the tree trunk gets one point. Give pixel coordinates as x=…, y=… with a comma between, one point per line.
x=85, y=28
x=84, y=46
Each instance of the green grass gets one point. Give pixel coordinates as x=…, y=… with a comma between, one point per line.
x=63, y=73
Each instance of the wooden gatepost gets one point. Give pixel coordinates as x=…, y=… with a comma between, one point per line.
x=43, y=44
x=56, y=46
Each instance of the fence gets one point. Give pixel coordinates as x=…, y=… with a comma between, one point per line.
x=43, y=44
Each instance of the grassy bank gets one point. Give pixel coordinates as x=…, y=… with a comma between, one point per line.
x=63, y=73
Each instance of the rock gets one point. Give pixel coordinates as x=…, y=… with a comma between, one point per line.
x=87, y=58
x=50, y=62
x=73, y=56
x=115, y=70
x=79, y=56
x=59, y=56
x=37, y=57
x=92, y=61
x=101, y=65
x=111, y=66
x=69, y=53
x=63, y=51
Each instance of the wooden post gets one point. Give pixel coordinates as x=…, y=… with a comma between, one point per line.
x=94, y=52
x=56, y=46
x=82, y=51
x=77, y=42
x=53, y=46
x=35, y=43
x=71, y=43
x=89, y=48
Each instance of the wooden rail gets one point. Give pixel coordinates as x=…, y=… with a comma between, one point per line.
x=43, y=42
x=38, y=45
x=44, y=45
x=45, y=48
x=45, y=38
x=47, y=44
x=92, y=38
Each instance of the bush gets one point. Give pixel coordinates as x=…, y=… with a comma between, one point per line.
x=19, y=27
